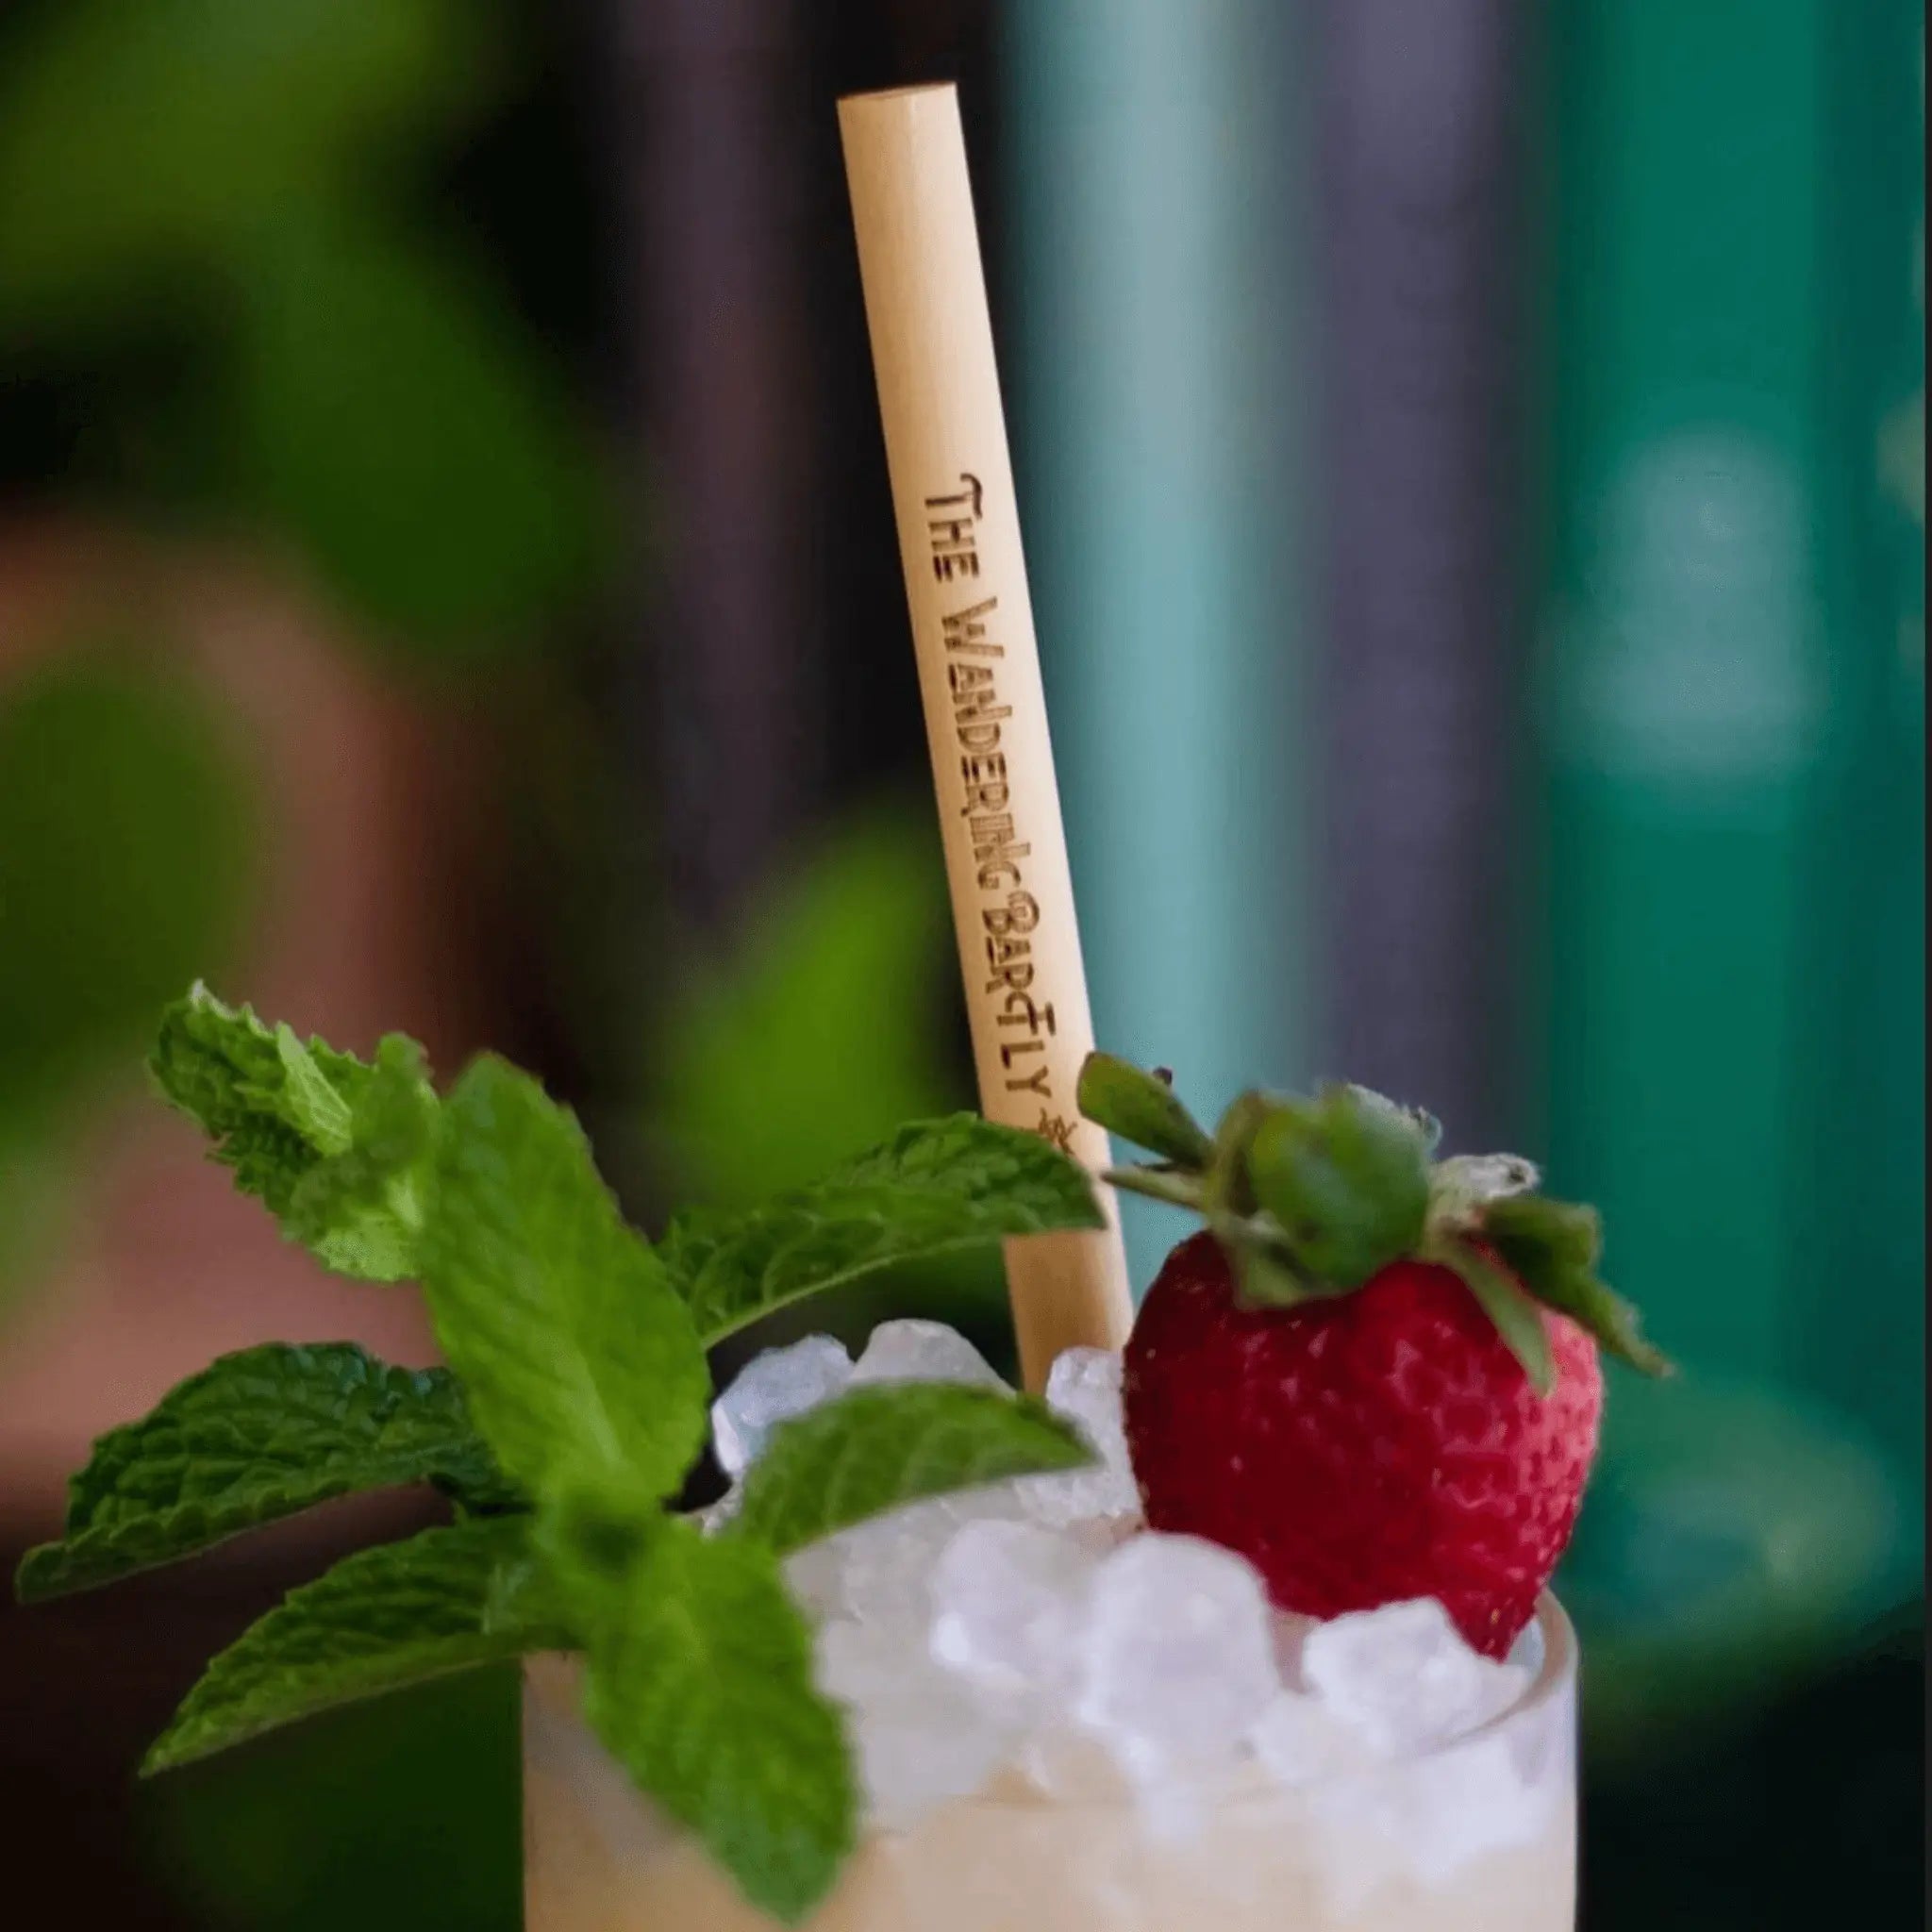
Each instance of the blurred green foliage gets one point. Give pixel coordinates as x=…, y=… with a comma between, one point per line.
x=823, y=1029
x=245, y=183
x=215, y=257
x=395, y=419
x=822, y=1032
x=128, y=856
x=143, y=138
x=402, y=1812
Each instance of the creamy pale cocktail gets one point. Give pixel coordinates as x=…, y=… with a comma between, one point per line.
x=1065, y=1722
x=1477, y=1837
x=1241, y=1626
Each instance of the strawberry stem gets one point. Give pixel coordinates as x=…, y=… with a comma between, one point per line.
x=1316, y=1196
x=1141, y=1107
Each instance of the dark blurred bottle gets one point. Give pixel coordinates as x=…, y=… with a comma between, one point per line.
x=1421, y=232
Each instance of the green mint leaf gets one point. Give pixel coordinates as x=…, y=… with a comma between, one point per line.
x=1551, y=1248
x=573, y=1351
x=386, y=1617
x=312, y=1132
x=362, y=1211
x=256, y=1090
x=317, y=1111
x=877, y=1448
x=1141, y=1107
x=259, y=1435
x=934, y=1186
x=698, y=1678
x=1346, y=1177
x=1518, y=1317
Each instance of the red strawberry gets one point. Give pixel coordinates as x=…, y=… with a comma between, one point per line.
x=1375, y=1376
x=1361, y=1449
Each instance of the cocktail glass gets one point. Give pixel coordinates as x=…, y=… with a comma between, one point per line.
x=1477, y=1835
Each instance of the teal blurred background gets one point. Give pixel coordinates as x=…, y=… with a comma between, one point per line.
x=1472, y=463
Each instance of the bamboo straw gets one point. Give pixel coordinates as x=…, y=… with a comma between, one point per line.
x=979, y=678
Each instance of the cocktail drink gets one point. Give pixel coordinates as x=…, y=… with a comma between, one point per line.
x=1063, y=1720
x=1475, y=1836
x=1241, y=1625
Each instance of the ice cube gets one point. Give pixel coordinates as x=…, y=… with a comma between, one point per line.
x=780, y=1383
x=921, y=1735
x=816, y=1576
x=1084, y=1387
x=1465, y=1802
x=1178, y=1657
x=1300, y=1741
x=881, y=1570
x=1008, y=1602
x=889, y=1564
x=913, y=1351
x=857, y=1666
x=1404, y=1677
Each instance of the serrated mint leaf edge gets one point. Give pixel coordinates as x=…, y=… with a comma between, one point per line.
x=309, y=1103
x=463, y=1565
x=278, y=1112
x=360, y=1210
x=136, y=1537
x=701, y=1250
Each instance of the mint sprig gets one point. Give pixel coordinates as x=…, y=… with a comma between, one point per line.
x=393, y=1615
x=935, y=1186
x=698, y=1679
x=259, y=1434
x=574, y=1349
x=881, y=1448
x=573, y=1403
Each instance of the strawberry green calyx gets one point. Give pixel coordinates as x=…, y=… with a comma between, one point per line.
x=1141, y=1107
x=1313, y=1196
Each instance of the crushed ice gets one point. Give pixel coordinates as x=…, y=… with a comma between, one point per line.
x=1033, y=1630
x=771, y=1389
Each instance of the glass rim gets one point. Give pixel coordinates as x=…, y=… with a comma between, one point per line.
x=1555, y=1673
x=1252, y=1786
x=1248, y=1785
